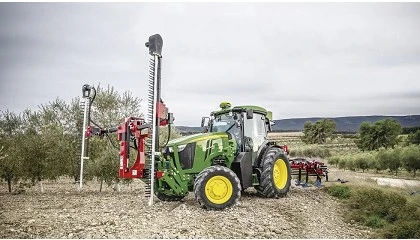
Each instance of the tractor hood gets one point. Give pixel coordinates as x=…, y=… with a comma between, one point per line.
x=196, y=138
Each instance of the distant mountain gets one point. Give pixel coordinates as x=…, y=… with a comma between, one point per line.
x=344, y=124
x=185, y=129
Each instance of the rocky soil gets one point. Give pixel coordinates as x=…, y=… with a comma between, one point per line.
x=62, y=212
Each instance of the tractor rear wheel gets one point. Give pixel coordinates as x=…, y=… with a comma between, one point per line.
x=168, y=198
x=217, y=187
x=276, y=175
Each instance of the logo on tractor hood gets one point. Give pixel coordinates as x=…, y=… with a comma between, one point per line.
x=196, y=137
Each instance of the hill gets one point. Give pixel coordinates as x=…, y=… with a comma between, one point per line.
x=344, y=124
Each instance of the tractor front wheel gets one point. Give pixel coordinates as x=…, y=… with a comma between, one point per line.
x=276, y=175
x=217, y=187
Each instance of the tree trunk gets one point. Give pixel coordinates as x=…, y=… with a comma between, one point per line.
x=41, y=187
x=117, y=187
x=100, y=188
x=9, y=185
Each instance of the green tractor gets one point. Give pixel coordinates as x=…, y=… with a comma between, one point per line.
x=233, y=154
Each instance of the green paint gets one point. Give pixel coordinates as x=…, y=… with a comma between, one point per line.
x=210, y=148
x=241, y=109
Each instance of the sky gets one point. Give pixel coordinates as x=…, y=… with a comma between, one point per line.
x=294, y=59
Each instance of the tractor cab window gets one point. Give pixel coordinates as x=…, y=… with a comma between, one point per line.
x=226, y=123
x=256, y=130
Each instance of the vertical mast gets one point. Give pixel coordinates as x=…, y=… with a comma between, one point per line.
x=86, y=104
x=155, y=49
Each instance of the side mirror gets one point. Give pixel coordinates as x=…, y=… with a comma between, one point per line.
x=249, y=114
x=269, y=125
x=204, y=122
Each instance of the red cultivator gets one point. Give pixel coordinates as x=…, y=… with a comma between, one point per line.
x=301, y=166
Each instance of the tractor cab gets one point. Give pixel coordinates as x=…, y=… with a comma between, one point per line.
x=248, y=125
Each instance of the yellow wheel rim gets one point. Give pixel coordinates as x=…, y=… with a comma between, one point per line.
x=280, y=173
x=218, y=189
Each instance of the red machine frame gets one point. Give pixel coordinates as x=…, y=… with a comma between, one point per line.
x=310, y=168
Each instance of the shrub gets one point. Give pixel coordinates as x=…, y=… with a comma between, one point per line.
x=390, y=213
x=334, y=160
x=374, y=221
x=311, y=151
x=402, y=230
x=342, y=164
x=414, y=137
x=361, y=162
x=338, y=191
x=411, y=158
x=350, y=164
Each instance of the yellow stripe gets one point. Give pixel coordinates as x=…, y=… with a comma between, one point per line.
x=209, y=137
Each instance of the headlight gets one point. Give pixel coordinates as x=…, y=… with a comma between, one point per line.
x=181, y=147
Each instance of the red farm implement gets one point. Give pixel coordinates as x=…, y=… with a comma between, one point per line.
x=303, y=166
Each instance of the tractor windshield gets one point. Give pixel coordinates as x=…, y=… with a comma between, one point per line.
x=222, y=123
x=226, y=123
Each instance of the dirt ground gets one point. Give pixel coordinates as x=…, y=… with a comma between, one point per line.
x=62, y=212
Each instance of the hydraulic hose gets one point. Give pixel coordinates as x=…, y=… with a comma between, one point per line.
x=94, y=123
x=169, y=135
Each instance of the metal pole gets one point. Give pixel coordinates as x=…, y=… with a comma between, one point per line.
x=82, y=155
x=152, y=158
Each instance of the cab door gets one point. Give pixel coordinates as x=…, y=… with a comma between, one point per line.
x=256, y=130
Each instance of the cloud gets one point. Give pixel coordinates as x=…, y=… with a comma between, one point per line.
x=296, y=59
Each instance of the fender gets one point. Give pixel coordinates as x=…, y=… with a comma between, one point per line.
x=264, y=149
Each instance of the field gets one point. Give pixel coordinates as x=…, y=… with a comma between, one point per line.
x=61, y=212
x=340, y=143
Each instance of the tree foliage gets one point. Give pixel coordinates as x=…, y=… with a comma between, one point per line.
x=389, y=159
x=411, y=158
x=361, y=162
x=318, y=132
x=383, y=133
x=414, y=138
x=10, y=134
x=46, y=143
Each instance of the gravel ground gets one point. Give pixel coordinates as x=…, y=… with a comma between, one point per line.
x=62, y=212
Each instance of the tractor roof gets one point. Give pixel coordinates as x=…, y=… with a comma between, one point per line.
x=226, y=107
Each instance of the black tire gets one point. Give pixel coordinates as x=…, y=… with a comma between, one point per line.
x=268, y=187
x=230, y=182
x=168, y=198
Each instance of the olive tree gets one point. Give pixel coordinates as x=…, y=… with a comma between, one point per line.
x=319, y=131
x=10, y=158
x=383, y=133
x=411, y=158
